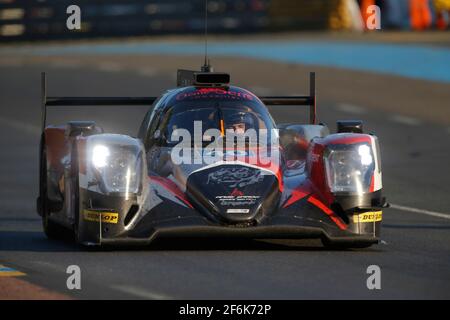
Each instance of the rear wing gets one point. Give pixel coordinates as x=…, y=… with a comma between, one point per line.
x=47, y=101
x=297, y=100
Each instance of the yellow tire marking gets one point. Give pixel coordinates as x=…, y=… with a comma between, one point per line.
x=374, y=216
x=106, y=217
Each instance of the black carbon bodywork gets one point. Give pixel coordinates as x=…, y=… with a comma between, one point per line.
x=212, y=190
x=170, y=219
x=224, y=199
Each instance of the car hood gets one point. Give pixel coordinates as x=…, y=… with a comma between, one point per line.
x=233, y=191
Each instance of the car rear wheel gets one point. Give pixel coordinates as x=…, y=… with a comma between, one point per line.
x=75, y=195
x=51, y=229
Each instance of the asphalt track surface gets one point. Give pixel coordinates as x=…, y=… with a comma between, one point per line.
x=414, y=255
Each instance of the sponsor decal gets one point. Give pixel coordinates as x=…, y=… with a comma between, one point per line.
x=238, y=210
x=106, y=216
x=235, y=176
x=368, y=217
x=236, y=193
x=214, y=93
x=234, y=201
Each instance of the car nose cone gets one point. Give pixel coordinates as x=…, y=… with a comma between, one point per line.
x=235, y=193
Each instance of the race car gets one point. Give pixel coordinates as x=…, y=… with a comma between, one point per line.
x=209, y=161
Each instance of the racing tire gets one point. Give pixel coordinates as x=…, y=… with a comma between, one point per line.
x=51, y=229
x=76, y=197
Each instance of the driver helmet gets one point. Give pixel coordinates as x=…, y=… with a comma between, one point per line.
x=240, y=122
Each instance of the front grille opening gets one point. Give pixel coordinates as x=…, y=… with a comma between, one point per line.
x=131, y=213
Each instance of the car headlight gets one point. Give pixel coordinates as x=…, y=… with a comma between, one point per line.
x=349, y=168
x=117, y=166
x=100, y=155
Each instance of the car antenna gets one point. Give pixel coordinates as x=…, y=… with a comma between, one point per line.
x=206, y=66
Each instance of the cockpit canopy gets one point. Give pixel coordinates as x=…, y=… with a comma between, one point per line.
x=204, y=111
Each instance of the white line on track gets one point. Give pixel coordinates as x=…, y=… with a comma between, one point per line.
x=421, y=211
x=147, y=72
x=20, y=125
x=11, y=62
x=141, y=293
x=405, y=120
x=69, y=64
x=49, y=265
x=350, y=108
x=110, y=66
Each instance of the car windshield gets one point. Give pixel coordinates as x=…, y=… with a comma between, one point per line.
x=226, y=118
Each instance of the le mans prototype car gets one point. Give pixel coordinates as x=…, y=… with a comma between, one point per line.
x=183, y=176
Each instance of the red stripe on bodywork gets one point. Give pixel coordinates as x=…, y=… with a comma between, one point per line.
x=296, y=195
x=172, y=187
x=348, y=139
x=372, y=183
x=328, y=211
